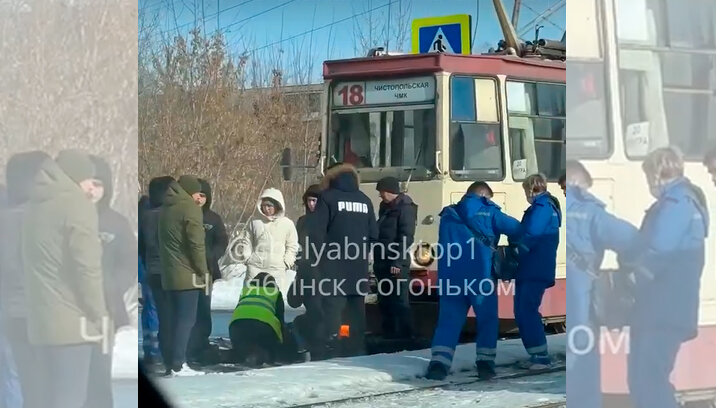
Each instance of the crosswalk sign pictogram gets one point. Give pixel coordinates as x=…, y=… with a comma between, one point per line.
x=449, y=35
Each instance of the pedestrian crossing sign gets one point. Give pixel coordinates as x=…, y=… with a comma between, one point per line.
x=448, y=35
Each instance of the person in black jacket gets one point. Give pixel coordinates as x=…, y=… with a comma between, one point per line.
x=216, y=242
x=149, y=248
x=304, y=289
x=119, y=274
x=342, y=229
x=391, y=260
x=20, y=171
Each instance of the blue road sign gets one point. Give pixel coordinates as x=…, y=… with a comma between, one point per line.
x=449, y=34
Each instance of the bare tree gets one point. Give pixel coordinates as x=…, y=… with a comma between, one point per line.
x=388, y=27
x=68, y=82
x=201, y=120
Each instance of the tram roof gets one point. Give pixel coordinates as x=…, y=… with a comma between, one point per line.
x=417, y=64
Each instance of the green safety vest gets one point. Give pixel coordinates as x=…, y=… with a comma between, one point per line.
x=258, y=303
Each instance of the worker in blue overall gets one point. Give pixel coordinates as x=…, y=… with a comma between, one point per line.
x=668, y=259
x=539, y=238
x=591, y=230
x=469, y=230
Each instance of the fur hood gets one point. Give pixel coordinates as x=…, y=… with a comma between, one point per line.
x=337, y=172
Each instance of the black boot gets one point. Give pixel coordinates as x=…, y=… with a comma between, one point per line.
x=436, y=371
x=485, y=369
x=332, y=347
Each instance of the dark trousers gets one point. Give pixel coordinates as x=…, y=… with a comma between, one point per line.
x=253, y=338
x=394, y=304
x=183, y=304
x=65, y=374
x=200, y=334
x=339, y=310
x=100, y=393
x=164, y=315
x=310, y=325
x=28, y=362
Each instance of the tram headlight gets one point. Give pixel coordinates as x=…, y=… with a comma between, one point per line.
x=424, y=254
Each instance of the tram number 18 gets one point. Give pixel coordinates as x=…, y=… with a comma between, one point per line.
x=352, y=95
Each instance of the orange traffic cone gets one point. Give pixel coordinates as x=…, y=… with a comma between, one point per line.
x=344, y=331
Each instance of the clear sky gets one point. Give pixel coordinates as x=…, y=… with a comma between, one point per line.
x=318, y=30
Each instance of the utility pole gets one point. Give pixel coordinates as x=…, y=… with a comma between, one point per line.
x=516, y=13
x=387, y=41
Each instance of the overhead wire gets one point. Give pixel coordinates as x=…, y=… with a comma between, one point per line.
x=321, y=27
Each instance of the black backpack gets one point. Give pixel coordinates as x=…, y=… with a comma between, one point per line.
x=611, y=294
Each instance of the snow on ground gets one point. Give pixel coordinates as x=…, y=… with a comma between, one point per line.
x=511, y=393
x=226, y=292
x=125, y=354
x=318, y=382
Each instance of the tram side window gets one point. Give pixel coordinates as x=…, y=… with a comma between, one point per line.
x=475, y=139
x=537, y=128
x=667, y=64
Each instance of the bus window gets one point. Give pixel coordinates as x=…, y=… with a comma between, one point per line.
x=667, y=75
x=536, y=124
x=475, y=139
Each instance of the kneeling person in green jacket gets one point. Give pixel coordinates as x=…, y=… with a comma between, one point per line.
x=257, y=324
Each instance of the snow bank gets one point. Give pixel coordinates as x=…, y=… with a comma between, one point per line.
x=317, y=382
x=125, y=354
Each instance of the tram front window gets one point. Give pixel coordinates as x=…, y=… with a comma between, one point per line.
x=475, y=138
x=382, y=143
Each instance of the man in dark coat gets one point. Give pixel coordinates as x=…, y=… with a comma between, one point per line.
x=149, y=251
x=119, y=274
x=396, y=233
x=20, y=171
x=304, y=289
x=117, y=237
x=216, y=242
x=342, y=228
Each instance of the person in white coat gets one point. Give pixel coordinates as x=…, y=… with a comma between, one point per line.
x=270, y=243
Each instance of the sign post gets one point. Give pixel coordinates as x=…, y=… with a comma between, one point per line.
x=448, y=35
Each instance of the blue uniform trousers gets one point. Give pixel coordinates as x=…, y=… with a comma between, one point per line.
x=526, y=302
x=451, y=318
x=583, y=358
x=650, y=362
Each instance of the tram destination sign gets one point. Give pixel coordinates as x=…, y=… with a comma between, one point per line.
x=362, y=93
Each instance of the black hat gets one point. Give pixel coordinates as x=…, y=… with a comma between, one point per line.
x=389, y=184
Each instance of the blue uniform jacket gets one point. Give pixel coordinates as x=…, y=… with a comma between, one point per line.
x=590, y=231
x=462, y=257
x=538, y=241
x=669, y=256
